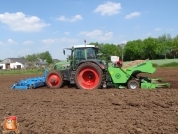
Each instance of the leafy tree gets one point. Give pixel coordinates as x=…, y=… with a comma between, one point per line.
x=31, y=58
x=134, y=50
x=151, y=48
x=49, y=59
x=121, y=50
x=46, y=56
x=165, y=44
x=109, y=50
x=175, y=47
x=0, y=60
x=94, y=43
x=69, y=57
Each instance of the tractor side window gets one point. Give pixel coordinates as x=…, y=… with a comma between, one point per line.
x=91, y=53
x=79, y=54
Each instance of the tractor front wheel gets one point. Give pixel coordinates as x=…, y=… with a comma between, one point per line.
x=54, y=79
x=88, y=76
x=133, y=84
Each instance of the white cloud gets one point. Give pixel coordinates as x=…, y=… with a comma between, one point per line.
x=158, y=29
x=97, y=34
x=28, y=42
x=133, y=14
x=109, y=8
x=67, y=33
x=72, y=19
x=92, y=34
x=1, y=43
x=123, y=42
x=48, y=41
x=62, y=18
x=76, y=17
x=147, y=34
x=56, y=40
x=10, y=41
x=69, y=40
x=20, y=22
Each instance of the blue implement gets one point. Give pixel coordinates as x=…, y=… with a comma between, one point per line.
x=31, y=83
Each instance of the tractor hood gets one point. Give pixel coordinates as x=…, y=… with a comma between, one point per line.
x=62, y=65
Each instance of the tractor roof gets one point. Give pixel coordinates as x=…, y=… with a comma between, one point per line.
x=81, y=46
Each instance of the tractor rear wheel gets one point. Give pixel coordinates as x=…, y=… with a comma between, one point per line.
x=133, y=84
x=54, y=79
x=88, y=76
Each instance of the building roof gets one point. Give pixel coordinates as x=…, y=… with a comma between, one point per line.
x=13, y=60
x=20, y=60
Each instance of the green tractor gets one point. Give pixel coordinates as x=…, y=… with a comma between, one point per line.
x=87, y=71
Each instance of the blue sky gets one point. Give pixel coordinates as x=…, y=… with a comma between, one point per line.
x=35, y=26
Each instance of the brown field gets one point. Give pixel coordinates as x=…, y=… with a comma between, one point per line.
x=104, y=111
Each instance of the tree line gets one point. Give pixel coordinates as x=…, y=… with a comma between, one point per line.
x=44, y=56
x=162, y=47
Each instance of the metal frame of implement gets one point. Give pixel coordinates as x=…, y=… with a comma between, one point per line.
x=31, y=83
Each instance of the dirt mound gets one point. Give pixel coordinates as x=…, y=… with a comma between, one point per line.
x=111, y=111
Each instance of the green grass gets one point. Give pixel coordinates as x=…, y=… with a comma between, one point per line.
x=156, y=63
x=172, y=64
x=164, y=61
x=28, y=71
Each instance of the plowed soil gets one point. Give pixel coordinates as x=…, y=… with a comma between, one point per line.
x=103, y=111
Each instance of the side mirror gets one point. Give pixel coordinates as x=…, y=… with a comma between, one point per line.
x=64, y=52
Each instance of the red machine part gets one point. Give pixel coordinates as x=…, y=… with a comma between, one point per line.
x=88, y=76
x=54, y=79
x=120, y=63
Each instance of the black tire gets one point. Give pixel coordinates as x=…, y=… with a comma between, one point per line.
x=54, y=79
x=133, y=84
x=88, y=76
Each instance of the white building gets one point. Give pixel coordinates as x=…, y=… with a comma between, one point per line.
x=2, y=66
x=13, y=63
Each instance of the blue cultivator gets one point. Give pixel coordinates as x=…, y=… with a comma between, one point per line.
x=31, y=83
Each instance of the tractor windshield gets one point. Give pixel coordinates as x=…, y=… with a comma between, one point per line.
x=79, y=54
x=91, y=53
x=85, y=53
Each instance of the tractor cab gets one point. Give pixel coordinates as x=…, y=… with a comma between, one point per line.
x=81, y=53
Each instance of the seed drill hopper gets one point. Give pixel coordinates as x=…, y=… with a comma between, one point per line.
x=128, y=75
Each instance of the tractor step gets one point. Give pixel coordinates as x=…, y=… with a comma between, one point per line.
x=72, y=77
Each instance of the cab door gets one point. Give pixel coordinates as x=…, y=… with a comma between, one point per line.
x=78, y=55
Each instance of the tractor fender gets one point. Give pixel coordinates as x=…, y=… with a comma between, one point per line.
x=93, y=61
